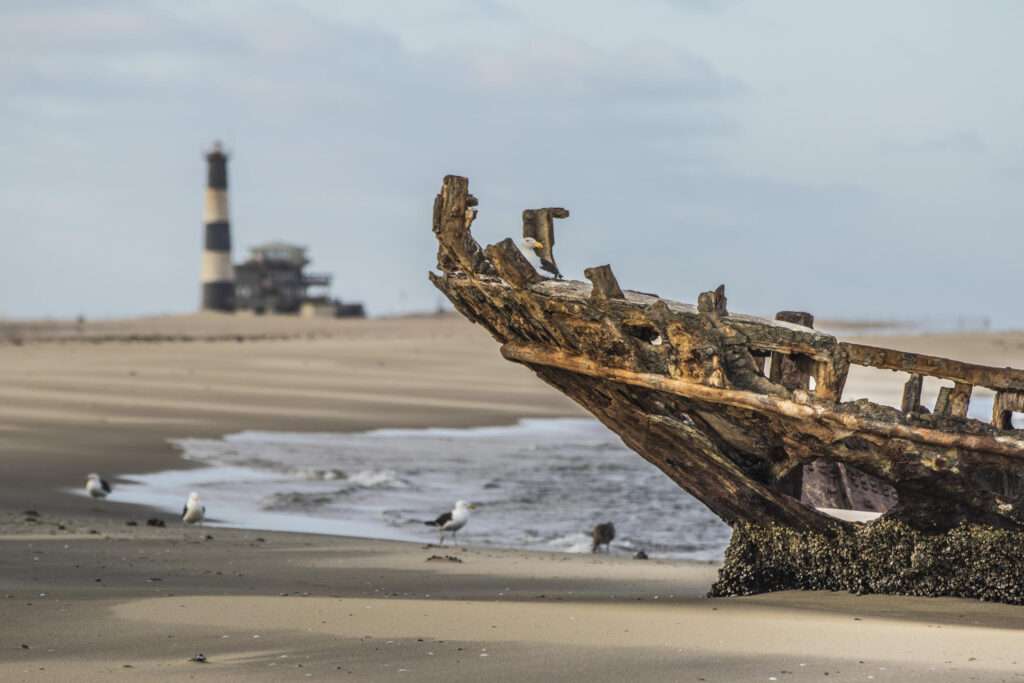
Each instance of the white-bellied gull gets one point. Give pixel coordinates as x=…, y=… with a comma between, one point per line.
x=452, y=521
x=539, y=235
x=194, y=511
x=539, y=249
x=96, y=486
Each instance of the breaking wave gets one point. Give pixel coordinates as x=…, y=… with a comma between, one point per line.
x=541, y=484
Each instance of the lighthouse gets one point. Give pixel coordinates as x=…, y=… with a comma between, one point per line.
x=218, y=275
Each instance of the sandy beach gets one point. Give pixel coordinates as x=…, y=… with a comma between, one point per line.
x=86, y=596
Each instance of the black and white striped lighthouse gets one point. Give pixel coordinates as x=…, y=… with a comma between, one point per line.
x=218, y=275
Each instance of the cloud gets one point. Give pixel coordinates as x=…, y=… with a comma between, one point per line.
x=343, y=118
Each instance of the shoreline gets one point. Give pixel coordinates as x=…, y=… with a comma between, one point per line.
x=376, y=484
x=139, y=601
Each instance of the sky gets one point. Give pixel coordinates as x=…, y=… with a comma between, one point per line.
x=861, y=160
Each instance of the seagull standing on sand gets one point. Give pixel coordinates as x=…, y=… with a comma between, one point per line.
x=602, y=535
x=96, y=486
x=452, y=521
x=194, y=511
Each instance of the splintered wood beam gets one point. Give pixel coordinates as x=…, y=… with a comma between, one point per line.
x=511, y=265
x=999, y=379
x=605, y=285
x=453, y=216
x=912, y=394
x=713, y=303
x=529, y=354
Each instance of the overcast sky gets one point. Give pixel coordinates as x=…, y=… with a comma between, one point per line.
x=851, y=159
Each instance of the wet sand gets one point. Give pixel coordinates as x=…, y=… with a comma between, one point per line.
x=138, y=601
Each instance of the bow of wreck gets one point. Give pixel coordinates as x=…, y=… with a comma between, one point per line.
x=747, y=415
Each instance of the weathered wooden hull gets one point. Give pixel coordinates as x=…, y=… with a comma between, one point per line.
x=744, y=413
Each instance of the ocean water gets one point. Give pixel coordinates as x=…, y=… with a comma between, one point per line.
x=541, y=484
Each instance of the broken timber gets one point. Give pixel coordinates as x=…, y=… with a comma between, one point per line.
x=746, y=414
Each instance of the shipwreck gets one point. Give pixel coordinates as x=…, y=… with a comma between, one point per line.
x=747, y=415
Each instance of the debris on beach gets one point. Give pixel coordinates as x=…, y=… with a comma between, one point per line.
x=640, y=555
x=156, y=521
x=444, y=558
x=198, y=658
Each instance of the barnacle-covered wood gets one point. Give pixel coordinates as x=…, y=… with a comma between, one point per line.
x=685, y=387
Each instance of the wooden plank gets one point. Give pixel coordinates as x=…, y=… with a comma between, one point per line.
x=533, y=355
x=933, y=366
x=960, y=399
x=830, y=378
x=942, y=401
x=912, y=394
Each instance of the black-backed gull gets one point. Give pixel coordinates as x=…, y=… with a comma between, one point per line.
x=96, y=486
x=452, y=521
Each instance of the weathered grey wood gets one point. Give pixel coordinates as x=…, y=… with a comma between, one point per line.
x=604, y=282
x=912, y=394
x=796, y=317
x=1004, y=405
x=713, y=303
x=960, y=399
x=453, y=216
x=830, y=378
x=684, y=386
x=942, y=401
x=998, y=379
x=511, y=265
x=793, y=370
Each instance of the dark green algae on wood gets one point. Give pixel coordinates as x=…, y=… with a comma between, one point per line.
x=886, y=556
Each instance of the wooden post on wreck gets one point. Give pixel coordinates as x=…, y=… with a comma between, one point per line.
x=954, y=401
x=1005, y=404
x=792, y=370
x=912, y=394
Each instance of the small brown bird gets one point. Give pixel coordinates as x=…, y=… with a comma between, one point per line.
x=603, y=535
